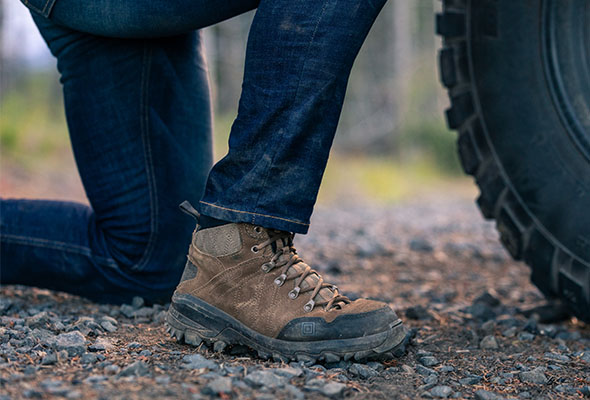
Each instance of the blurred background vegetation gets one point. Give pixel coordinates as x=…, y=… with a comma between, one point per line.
x=391, y=144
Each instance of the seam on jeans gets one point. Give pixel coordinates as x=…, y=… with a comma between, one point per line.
x=147, y=153
x=45, y=11
x=55, y=245
x=254, y=214
x=267, y=174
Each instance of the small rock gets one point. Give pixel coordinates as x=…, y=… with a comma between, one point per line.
x=441, y=391
x=39, y=320
x=49, y=359
x=88, y=358
x=134, y=345
x=332, y=389
x=560, y=358
x=112, y=370
x=137, y=302
x=526, y=336
x=101, y=344
x=488, y=299
x=94, y=379
x=470, y=380
x=289, y=372
x=429, y=361
x=489, y=343
x=418, y=313
x=145, y=353
x=447, y=368
x=265, y=378
x=162, y=380
x=421, y=245
x=138, y=368
x=72, y=342
x=481, y=311
x=197, y=361
x=425, y=371
x=534, y=376
x=127, y=310
x=362, y=371
x=221, y=385
x=108, y=326
x=485, y=395
x=510, y=332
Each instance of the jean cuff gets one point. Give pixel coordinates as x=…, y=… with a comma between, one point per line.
x=266, y=221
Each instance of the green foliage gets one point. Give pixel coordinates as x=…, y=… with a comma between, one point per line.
x=32, y=123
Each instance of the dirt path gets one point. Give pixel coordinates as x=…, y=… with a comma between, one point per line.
x=435, y=261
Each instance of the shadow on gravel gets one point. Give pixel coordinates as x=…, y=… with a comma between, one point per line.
x=481, y=329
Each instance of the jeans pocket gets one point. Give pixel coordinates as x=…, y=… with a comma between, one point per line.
x=41, y=7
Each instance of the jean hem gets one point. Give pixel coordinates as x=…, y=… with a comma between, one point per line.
x=254, y=218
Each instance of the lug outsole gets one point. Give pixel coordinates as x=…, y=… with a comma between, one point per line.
x=221, y=343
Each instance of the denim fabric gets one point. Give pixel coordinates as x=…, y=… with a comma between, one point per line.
x=137, y=105
x=139, y=117
x=298, y=61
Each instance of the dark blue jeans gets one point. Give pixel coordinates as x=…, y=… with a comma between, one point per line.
x=138, y=111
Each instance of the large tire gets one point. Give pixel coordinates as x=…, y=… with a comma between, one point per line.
x=518, y=76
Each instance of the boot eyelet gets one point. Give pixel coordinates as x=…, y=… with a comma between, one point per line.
x=258, y=229
x=266, y=267
x=280, y=280
x=308, y=307
x=255, y=249
x=294, y=293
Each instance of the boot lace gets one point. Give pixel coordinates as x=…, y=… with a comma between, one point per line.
x=285, y=256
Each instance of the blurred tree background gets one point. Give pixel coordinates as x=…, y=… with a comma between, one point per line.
x=391, y=142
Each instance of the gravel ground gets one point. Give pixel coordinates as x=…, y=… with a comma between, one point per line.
x=479, y=328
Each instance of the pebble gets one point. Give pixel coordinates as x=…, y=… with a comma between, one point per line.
x=197, y=361
x=137, y=302
x=362, y=371
x=112, y=369
x=421, y=245
x=441, y=391
x=510, y=332
x=49, y=359
x=534, y=376
x=470, y=380
x=108, y=326
x=137, y=368
x=88, y=358
x=265, y=378
x=556, y=357
x=447, y=368
x=485, y=395
x=289, y=372
x=429, y=361
x=72, y=342
x=419, y=313
x=332, y=389
x=101, y=344
x=425, y=371
x=526, y=336
x=489, y=343
x=221, y=385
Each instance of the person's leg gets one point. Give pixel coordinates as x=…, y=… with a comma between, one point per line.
x=139, y=18
x=298, y=61
x=244, y=283
x=139, y=117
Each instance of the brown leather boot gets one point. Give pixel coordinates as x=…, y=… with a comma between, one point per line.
x=244, y=284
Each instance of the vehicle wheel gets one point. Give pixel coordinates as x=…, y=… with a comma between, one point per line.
x=518, y=76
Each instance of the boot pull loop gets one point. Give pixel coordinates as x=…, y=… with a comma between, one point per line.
x=188, y=209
